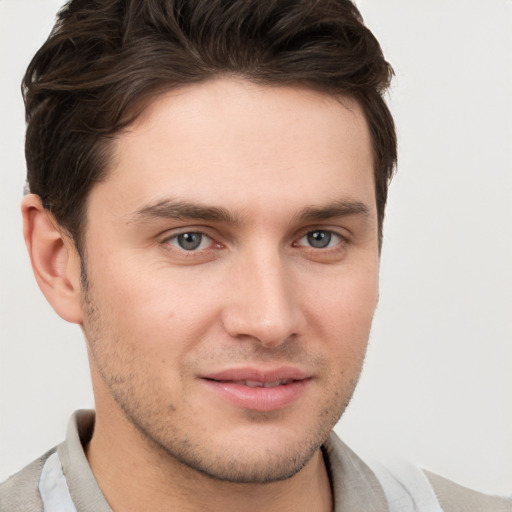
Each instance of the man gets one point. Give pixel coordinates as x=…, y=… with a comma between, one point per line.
x=208, y=188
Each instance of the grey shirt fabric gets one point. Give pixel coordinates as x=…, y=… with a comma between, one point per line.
x=355, y=487
x=20, y=493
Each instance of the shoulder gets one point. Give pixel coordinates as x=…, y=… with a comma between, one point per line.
x=397, y=485
x=456, y=498
x=409, y=488
x=20, y=492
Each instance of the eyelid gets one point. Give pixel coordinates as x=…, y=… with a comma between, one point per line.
x=170, y=235
x=342, y=234
x=181, y=230
x=203, y=240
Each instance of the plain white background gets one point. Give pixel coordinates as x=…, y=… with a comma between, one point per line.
x=437, y=386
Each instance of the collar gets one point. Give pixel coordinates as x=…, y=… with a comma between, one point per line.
x=354, y=485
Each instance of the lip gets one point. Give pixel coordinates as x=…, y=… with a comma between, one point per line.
x=229, y=385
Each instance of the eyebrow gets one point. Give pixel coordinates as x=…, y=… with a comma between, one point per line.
x=180, y=210
x=341, y=208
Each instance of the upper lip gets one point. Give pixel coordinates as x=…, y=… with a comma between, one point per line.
x=258, y=374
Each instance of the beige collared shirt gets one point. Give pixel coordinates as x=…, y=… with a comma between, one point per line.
x=62, y=480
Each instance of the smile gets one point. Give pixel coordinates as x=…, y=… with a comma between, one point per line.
x=258, y=384
x=258, y=390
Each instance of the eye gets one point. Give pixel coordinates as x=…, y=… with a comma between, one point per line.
x=190, y=241
x=320, y=239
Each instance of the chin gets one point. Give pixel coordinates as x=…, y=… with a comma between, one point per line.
x=245, y=467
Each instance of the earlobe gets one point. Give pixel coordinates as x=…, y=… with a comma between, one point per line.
x=54, y=258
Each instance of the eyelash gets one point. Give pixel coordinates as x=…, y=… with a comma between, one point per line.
x=328, y=233
x=168, y=240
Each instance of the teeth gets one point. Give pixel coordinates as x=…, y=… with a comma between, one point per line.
x=273, y=384
x=257, y=384
x=253, y=383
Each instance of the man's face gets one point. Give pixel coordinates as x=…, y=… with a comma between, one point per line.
x=232, y=264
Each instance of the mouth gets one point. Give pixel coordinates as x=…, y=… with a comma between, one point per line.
x=259, y=390
x=257, y=384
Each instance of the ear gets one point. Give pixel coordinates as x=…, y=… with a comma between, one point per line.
x=54, y=258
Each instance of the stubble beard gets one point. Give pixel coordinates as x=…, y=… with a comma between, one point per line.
x=169, y=441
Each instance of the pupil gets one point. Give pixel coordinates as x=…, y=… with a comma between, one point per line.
x=319, y=239
x=189, y=241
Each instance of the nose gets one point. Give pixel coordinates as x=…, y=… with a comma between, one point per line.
x=262, y=304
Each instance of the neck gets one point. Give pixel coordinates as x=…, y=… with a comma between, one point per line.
x=135, y=477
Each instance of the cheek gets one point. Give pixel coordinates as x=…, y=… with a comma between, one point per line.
x=343, y=319
x=346, y=303
x=158, y=310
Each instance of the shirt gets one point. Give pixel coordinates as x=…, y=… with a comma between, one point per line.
x=62, y=481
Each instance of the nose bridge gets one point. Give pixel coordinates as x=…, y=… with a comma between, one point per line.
x=262, y=303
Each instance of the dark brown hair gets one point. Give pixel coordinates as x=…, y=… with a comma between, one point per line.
x=103, y=58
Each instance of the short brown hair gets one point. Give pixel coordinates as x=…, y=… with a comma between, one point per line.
x=103, y=58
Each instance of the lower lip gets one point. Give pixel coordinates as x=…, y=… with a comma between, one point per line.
x=260, y=398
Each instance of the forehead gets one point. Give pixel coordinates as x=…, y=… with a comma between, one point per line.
x=232, y=143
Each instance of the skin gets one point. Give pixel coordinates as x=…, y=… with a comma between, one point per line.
x=254, y=170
